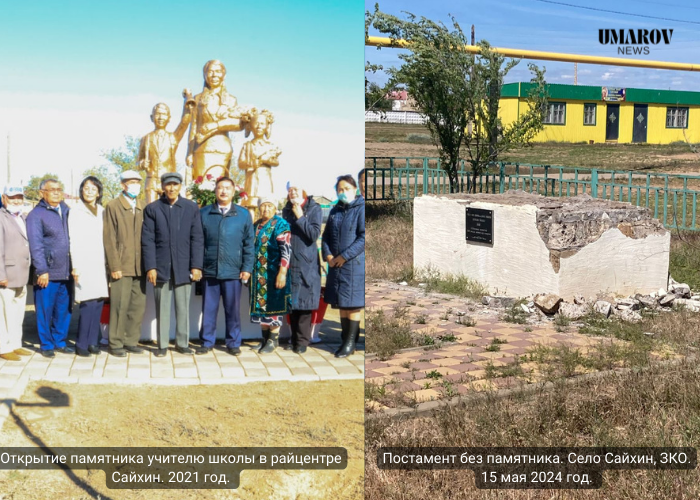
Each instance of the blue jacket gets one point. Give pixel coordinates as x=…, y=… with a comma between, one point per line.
x=345, y=235
x=48, y=241
x=171, y=239
x=229, y=242
x=305, y=269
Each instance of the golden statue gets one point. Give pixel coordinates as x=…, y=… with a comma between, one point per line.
x=257, y=158
x=158, y=148
x=216, y=113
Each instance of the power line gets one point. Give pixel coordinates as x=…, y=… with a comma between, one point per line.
x=618, y=12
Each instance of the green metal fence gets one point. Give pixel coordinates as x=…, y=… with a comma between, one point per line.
x=671, y=198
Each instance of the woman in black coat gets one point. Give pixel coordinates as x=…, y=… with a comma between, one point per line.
x=344, y=250
x=304, y=216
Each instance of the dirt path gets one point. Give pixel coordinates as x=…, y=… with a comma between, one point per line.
x=265, y=414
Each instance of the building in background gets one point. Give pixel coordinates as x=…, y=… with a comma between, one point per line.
x=578, y=113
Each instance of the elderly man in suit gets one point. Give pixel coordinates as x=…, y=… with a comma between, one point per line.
x=122, y=242
x=173, y=255
x=47, y=229
x=14, y=273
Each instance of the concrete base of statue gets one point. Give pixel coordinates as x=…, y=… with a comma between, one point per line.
x=148, y=327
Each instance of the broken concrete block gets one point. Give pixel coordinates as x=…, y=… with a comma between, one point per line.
x=667, y=300
x=548, y=303
x=573, y=311
x=691, y=305
x=602, y=307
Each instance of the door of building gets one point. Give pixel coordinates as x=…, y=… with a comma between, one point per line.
x=612, y=122
x=639, y=127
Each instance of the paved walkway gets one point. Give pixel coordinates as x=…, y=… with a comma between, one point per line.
x=216, y=367
x=469, y=362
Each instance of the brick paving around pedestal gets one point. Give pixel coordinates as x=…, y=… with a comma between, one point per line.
x=474, y=358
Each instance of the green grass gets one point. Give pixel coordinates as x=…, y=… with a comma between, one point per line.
x=387, y=334
x=515, y=313
x=453, y=285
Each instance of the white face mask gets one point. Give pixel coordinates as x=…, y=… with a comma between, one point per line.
x=14, y=209
x=347, y=197
x=133, y=190
x=297, y=201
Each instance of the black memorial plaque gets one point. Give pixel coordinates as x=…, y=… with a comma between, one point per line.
x=480, y=225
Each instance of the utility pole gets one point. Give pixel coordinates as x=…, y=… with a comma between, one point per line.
x=8, y=158
x=575, y=73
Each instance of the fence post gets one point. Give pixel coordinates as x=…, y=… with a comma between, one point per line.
x=501, y=177
x=594, y=183
x=425, y=175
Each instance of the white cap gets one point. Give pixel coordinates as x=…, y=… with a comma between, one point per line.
x=127, y=175
x=13, y=190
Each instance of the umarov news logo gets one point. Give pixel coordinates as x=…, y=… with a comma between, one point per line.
x=634, y=42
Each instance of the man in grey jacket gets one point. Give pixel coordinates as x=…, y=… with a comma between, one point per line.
x=14, y=273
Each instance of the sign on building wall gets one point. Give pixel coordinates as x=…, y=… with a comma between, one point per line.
x=614, y=94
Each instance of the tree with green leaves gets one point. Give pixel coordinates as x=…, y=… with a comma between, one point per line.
x=31, y=190
x=458, y=92
x=125, y=158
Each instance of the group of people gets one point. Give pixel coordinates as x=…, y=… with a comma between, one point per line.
x=88, y=253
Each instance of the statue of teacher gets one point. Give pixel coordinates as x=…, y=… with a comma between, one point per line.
x=215, y=114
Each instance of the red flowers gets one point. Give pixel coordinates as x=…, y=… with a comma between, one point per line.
x=199, y=180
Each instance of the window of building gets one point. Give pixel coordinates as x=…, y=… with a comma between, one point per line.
x=676, y=117
x=555, y=113
x=589, y=114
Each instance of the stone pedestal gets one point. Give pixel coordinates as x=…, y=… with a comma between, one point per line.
x=565, y=246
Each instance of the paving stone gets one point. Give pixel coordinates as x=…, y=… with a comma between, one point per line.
x=325, y=370
x=303, y=371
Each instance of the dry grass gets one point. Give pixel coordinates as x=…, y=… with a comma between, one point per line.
x=656, y=407
x=389, y=240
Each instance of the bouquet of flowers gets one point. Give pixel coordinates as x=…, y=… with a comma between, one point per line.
x=202, y=191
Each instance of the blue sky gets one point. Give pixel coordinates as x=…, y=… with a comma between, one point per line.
x=77, y=76
x=538, y=25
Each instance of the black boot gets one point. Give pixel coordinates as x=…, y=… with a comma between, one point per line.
x=348, y=346
x=266, y=338
x=344, y=325
x=270, y=344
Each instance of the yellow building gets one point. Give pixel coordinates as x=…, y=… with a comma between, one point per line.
x=578, y=113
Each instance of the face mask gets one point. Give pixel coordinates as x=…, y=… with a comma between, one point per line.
x=14, y=209
x=133, y=190
x=346, y=197
x=297, y=201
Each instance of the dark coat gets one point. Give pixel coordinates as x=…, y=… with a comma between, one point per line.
x=345, y=235
x=305, y=269
x=172, y=239
x=48, y=241
x=229, y=242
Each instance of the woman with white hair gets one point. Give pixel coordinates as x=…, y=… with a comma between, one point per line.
x=304, y=217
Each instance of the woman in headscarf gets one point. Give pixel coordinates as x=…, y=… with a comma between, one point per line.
x=270, y=290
